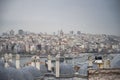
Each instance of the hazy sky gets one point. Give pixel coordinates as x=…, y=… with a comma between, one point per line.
x=89, y=16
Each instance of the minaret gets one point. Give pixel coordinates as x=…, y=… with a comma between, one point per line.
x=10, y=57
x=90, y=62
x=17, y=61
x=33, y=61
x=6, y=60
x=38, y=62
x=57, y=66
x=49, y=63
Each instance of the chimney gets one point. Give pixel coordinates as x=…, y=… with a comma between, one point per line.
x=57, y=66
x=107, y=63
x=38, y=62
x=10, y=57
x=6, y=60
x=49, y=63
x=17, y=61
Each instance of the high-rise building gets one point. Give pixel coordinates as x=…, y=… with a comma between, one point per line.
x=20, y=32
x=12, y=32
x=78, y=32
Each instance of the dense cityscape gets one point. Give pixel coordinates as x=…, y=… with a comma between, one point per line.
x=65, y=43
x=59, y=56
x=59, y=40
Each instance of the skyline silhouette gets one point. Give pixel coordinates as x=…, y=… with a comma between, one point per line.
x=87, y=16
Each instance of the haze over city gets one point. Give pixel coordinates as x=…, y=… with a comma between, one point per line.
x=89, y=16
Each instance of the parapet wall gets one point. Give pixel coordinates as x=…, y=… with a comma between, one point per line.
x=104, y=74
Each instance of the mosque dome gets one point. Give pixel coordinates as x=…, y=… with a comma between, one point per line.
x=84, y=68
x=43, y=69
x=2, y=63
x=14, y=74
x=115, y=62
x=27, y=75
x=9, y=73
x=3, y=73
x=66, y=69
x=33, y=70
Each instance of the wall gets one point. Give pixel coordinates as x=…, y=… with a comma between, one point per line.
x=104, y=74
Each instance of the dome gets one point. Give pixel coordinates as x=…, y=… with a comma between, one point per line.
x=9, y=73
x=33, y=70
x=66, y=69
x=115, y=63
x=3, y=73
x=27, y=75
x=43, y=69
x=2, y=63
x=84, y=68
x=14, y=74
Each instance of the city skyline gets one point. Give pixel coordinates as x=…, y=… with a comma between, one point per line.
x=96, y=17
